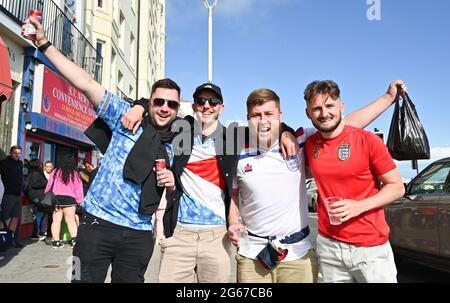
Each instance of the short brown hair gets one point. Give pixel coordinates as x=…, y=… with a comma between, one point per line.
x=15, y=147
x=165, y=83
x=261, y=96
x=325, y=87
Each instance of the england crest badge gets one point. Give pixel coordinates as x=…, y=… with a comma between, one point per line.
x=344, y=152
x=292, y=163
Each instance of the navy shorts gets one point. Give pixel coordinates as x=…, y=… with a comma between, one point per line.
x=11, y=207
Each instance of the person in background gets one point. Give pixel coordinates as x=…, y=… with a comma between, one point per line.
x=68, y=189
x=85, y=174
x=36, y=186
x=48, y=168
x=95, y=170
x=11, y=171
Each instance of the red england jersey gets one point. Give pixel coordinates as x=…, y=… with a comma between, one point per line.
x=348, y=166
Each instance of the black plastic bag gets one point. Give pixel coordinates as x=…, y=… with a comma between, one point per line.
x=407, y=139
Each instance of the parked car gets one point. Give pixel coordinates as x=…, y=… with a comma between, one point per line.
x=420, y=221
x=311, y=193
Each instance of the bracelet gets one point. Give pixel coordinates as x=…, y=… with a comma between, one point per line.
x=44, y=46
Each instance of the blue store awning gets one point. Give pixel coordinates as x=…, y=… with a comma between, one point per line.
x=50, y=125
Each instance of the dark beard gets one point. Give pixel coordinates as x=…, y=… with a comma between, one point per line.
x=328, y=129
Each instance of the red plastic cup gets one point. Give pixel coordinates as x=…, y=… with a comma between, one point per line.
x=30, y=29
x=328, y=203
x=160, y=164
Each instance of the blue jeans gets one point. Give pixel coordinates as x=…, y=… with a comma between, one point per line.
x=40, y=223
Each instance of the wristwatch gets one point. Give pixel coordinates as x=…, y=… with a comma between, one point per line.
x=44, y=46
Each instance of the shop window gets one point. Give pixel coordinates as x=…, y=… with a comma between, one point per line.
x=48, y=152
x=32, y=152
x=98, y=60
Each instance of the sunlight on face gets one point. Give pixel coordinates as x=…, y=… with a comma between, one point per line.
x=264, y=123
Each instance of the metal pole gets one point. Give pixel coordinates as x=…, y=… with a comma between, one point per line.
x=210, y=10
x=137, y=47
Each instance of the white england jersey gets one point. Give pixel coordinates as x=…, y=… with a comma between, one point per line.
x=272, y=198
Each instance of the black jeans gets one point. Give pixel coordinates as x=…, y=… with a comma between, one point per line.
x=101, y=243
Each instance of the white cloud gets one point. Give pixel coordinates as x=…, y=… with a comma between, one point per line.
x=234, y=7
x=436, y=153
x=439, y=152
x=246, y=7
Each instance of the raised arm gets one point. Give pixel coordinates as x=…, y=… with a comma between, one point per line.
x=364, y=116
x=69, y=70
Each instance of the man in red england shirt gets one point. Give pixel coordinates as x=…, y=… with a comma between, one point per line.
x=349, y=163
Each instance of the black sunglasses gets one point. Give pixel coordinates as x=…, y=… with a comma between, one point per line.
x=158, y=102
x=212, y=101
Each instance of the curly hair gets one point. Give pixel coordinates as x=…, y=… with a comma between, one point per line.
x=68, y=167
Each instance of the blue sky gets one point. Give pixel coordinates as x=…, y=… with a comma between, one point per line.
x=285, y=44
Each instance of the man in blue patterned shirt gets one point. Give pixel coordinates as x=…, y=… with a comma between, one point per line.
x=115, y=231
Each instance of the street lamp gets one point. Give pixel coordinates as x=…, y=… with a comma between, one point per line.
x=210, y=8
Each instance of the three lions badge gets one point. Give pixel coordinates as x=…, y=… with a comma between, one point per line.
x=344, y=152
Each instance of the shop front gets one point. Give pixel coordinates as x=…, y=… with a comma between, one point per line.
x=54, y=127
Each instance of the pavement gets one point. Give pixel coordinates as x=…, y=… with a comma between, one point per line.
x=41, y=263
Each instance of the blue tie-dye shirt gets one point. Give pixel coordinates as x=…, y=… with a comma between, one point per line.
x=110, y=196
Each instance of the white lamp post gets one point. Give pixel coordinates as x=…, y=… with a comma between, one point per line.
x=210, y=8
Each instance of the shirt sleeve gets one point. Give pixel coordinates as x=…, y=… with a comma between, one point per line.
x=309, y=131
x=111, y=110
x=302, y=134
x=380, y=160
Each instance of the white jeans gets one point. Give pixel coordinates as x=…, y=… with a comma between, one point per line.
x=346, y=263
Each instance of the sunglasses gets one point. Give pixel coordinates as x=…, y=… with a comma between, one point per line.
x=158, y=102
x=212, y=101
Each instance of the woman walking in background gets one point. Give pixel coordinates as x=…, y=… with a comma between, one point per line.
x=36, y=186
x=68, y=190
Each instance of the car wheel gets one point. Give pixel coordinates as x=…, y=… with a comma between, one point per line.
x=313, y=204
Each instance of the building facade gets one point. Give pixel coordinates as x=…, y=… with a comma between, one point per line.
x=44, y=113
x=130, y=37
